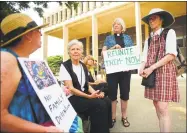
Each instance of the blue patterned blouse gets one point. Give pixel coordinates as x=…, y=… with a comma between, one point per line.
x=110, y=41
x=26, y=104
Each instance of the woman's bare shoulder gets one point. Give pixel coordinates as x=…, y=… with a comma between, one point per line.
x=9, y=64
x=8, y=60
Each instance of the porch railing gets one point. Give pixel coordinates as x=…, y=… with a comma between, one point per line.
x=66, y=14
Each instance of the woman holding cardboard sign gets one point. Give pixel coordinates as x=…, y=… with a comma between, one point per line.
x=117, y=41
x=159, y=53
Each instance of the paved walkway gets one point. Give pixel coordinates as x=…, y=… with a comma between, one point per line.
x=141, y=112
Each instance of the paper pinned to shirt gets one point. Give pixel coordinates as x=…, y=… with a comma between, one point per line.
x=49, y=92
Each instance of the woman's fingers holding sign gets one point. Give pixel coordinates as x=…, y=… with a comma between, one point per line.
x=117, y=46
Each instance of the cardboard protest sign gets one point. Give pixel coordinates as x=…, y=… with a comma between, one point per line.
x=49, y=92
x=123, y=59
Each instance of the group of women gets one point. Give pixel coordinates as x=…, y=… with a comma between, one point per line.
x=21, y=109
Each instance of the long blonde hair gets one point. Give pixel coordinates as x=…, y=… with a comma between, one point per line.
x=88, y=57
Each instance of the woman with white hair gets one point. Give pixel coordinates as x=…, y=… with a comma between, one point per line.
x=117, y=41
x=83, y=97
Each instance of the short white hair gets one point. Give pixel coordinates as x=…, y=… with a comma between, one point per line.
x=121, y=22
x=75, y=42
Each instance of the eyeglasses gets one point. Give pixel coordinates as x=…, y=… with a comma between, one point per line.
x=37, y=31
x=153, y=18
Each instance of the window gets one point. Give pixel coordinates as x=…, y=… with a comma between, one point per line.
x=48, y=19
x=81, y=7
x=45, y=21
x=52, y=19
x=56, y=17
x=99, y=51
x=102, y=3
x=180, y=42
x=61, y=16
x=65, y=14
x=88, y=5
x=94, y=4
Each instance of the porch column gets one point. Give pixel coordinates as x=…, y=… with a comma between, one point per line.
x=95, y=38
x=146, y=31
x=45, y=45
x=88, y=45
x=66, y=40
x=138, y=26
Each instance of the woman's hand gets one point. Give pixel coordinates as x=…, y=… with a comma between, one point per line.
x=101, y=95
x=147, y=72
x=141, y=71
x=117, y=46
x=97, y=82
x=52, y=129
x=95, y=94
x=66, y=90
x=102, y=81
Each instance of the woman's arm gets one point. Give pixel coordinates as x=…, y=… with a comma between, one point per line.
x=106, y=48
x=10, y=77
x=77, y=92
x=91, y=90
x=96, y=93
x=144, y=57
x=93, y=83
x=103, y=49
x=97, y=82
x=66, y=78
x=171, y=52
x=162, y=62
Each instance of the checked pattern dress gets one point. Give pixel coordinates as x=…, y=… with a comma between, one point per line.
x=166, y=86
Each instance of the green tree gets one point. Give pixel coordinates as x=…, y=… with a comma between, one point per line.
x=8, y=7
x=54, y=63
x=71, y=4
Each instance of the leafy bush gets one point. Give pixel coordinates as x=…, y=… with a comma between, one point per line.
x=54, y=63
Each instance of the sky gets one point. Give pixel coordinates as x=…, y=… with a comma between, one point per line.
x=55, y=45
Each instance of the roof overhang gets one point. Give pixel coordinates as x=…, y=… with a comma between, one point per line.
x=81, y=26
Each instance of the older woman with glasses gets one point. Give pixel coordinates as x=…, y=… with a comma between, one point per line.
x=21, y=109
x=117, y=41
x=158, y=56
x=83, y=97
